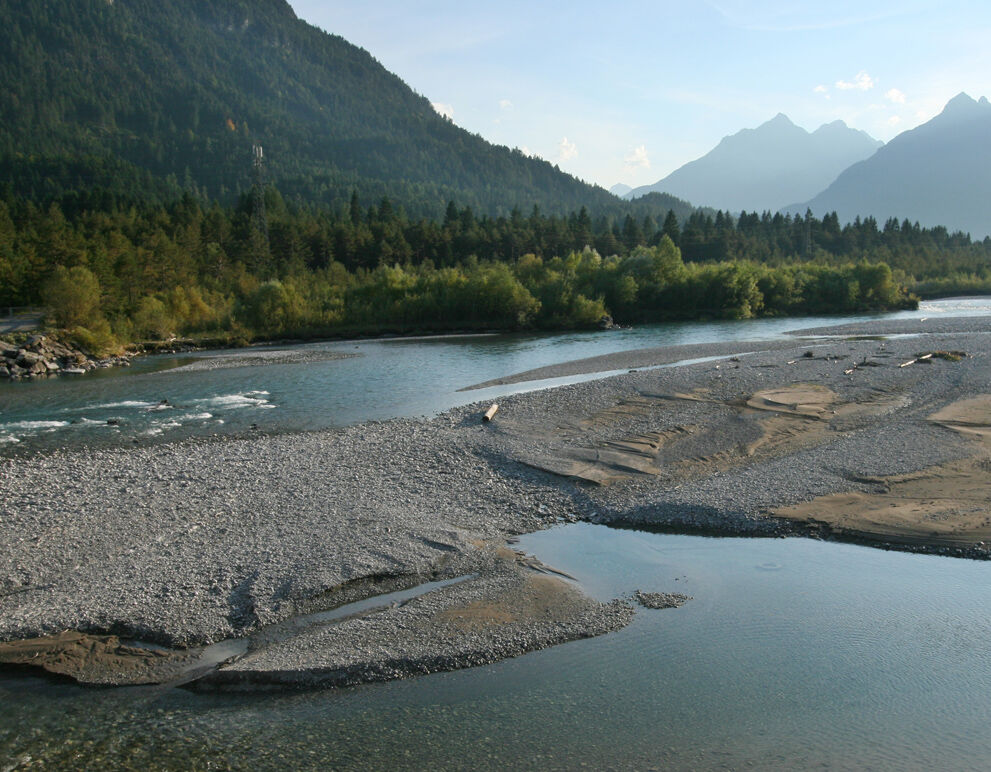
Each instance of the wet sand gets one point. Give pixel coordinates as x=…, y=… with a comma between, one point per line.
x=96, y=659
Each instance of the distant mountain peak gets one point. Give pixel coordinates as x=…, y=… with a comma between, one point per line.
x=766, y=167
x=780, y=124
x=961, y=100
x=963, y=106
x=620, y=189
x=938, y=173
x=837, y=125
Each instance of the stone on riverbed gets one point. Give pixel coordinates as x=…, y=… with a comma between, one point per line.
x=657, y=600
x=42, y=355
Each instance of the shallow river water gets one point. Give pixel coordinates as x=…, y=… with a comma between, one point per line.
x=792, y=654
x=382, y=379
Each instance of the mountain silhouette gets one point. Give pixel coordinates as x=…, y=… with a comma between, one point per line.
x=938, y=173
x=766, y=168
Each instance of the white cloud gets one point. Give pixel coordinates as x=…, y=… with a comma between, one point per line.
x=861, y=81
x=821, y=90
x=896, y=96
x=894, y=120
x=566, y=150
x=527, y=152
x=638, y=158
x=505, y=104
x=446, y=110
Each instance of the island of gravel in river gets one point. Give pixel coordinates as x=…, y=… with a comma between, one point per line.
x=885, y=441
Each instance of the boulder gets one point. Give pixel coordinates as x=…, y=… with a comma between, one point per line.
x=27, y=359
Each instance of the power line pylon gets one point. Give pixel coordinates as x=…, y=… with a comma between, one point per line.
x=259, y=218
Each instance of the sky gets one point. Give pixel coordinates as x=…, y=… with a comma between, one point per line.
x=628, y=91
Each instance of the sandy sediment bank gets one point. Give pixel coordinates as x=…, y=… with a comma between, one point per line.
x=625, y=360
x=730, y=445
x=946, y=504
x=102, y=660
x=194, y=542
x=479, y=606
x=277, y=356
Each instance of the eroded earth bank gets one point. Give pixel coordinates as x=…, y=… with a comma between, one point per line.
x=105, y=553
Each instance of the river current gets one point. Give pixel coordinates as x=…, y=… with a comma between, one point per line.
x=792, y=653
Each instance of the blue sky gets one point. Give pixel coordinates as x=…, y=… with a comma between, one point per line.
x=628, y=91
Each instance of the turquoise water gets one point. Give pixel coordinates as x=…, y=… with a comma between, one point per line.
x=386, y=378
x=793, y=654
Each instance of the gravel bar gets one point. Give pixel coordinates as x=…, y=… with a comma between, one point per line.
x=189, y=543
x=508, y=611
x=643, y=357
x=266, y=357
x=933, y=325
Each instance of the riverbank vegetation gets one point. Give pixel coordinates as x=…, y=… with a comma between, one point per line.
x=115, y=271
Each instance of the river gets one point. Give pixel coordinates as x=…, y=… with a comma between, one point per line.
x=156, y=399
x=792, y=653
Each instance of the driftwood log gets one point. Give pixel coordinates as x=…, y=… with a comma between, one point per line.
x=490, y=413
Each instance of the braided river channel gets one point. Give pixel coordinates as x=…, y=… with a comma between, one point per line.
x=792, y=653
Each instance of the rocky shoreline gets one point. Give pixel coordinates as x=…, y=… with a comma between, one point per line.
x=41, y=356
x=191, y=543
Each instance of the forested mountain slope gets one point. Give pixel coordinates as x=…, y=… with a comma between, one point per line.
x=147, y=97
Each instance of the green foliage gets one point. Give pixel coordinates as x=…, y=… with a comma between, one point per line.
x=152, y=319
x=271, y=309
x=73, y=295
x=186, y=268
x=127, y=201
x=97, y=338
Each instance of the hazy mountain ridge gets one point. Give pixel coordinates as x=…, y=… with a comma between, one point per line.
x=938, y=173
x=620, y=190
x=763, y=169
